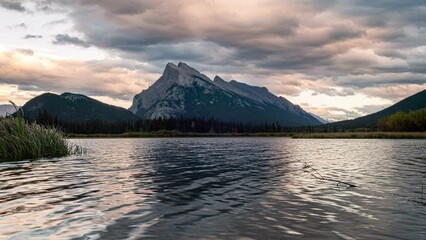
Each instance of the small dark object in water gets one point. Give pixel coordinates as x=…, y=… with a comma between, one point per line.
x=317, y=175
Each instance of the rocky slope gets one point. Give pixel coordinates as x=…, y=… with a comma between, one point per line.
x=184, y=91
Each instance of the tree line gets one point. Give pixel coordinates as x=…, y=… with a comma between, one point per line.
x=181, y=124
x=400, y=121
x=414, y=121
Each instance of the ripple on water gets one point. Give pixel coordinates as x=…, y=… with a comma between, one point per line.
x=248, y=188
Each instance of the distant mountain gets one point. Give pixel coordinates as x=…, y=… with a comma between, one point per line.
x=184, y=91
x=75, y=107
x=322, y=120
x=6, y=109
x=414, y=102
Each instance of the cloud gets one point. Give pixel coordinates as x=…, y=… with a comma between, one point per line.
x=329, y=91
x=30, y=36
x=164, y=22
x=366, y=109
x=15, y=6
x=394, y=92
x=31, y=72
x=62, y=39
x=28, y=88
x=54, y=23
x=335, y=114
x=258, y=32
x=18, y=26
x=25, y=51
x=277, y=36
x=331, y=48
x=382, y=79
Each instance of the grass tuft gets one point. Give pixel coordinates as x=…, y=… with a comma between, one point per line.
x=20, y=140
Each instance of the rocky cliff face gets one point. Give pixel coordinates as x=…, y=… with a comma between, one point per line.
x=184, y=91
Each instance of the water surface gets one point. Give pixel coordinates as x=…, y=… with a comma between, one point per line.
x=226, y=188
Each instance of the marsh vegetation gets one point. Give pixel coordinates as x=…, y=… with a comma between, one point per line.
x=21, y=140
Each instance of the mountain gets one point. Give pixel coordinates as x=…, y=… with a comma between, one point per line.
x=184, y=91
x=414, y=102
x=75, y=107
x=6, y=110
x=322, y=120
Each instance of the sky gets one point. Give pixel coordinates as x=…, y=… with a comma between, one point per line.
x=337, y=59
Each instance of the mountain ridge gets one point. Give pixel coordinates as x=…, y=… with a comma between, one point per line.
x=75, y=107
x=184, y=91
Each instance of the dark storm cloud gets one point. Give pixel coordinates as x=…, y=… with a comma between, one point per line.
x=12, y=5
x=61, y=39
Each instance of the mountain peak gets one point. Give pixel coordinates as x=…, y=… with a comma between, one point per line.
x=181, y=74
x=181, y=64
x=172, y=71
x=171, y=65
x=184, y=91
x=218, y=79
x=186, y=67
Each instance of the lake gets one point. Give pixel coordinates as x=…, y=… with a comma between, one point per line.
x=219, y=188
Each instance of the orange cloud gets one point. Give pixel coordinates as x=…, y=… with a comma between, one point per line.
x=37, y=73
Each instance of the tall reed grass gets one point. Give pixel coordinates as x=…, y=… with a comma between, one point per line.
x=20, y=140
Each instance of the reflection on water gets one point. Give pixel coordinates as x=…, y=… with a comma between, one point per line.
x=253, y=188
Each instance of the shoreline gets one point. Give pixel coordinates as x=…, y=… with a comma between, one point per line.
x=337, y=135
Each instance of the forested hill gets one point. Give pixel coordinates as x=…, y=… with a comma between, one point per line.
x=74, y=108
x=412, y=103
